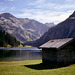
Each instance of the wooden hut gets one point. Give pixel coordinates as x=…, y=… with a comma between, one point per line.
x=58, y=51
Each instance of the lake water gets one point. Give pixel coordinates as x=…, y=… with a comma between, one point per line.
x=16, y=54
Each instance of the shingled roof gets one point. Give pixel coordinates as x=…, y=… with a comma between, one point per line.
x=57, y=43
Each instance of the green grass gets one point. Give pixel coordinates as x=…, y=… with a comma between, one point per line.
x=33, y=67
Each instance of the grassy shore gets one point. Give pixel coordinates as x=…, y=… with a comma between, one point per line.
x=33, y=67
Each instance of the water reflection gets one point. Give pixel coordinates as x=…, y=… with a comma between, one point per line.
x=20, y=54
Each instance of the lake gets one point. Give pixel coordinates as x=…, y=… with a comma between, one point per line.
x=16, y=54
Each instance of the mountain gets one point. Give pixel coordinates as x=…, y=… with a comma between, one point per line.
x=23, y=29
x=65, y=29
x=6, y=40
x=50, y=24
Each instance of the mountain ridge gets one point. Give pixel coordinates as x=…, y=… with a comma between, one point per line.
x=65, y=29
x=23, y=29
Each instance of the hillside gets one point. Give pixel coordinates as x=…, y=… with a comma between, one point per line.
x=65, y=29
x=6, y=40
x=23, y=29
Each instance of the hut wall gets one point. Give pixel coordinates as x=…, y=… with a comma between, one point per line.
x=66, y=55
x=49, y=56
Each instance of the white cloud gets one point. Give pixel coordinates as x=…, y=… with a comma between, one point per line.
x=44, y=11
x=65, y=7
x=9, y=0
x=69, y=0
x=43, y=4
x=12, y=8
x=2, y=7
x=44, y=16
x=40, y=1
x=37, y=2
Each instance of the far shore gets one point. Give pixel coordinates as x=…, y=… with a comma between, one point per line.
x=17, y=47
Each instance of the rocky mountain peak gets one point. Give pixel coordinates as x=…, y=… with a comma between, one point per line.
x=65, y=29
x=23, y=29
x=6, y=15
x=50, y=24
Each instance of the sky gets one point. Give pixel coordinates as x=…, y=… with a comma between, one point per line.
x=41, y=10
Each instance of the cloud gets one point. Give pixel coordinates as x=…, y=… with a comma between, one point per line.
x=49, y=11
x=44, y=10
x=9, y=0
x=2, y=7
x=40, y=1
x=37, y=2
x=69, y=1
x=64, y=5
x=12, y=8
x=44, y=16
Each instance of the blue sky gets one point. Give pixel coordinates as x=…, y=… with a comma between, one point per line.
x=40, y=10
